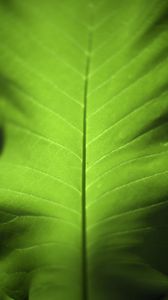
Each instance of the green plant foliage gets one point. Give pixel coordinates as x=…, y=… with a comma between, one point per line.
x=83, y=150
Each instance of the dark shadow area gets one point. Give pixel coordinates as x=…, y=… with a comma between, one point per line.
x=9, y=5
x=162, y=297
x=8, y=89
x=22, y=281
x=159, y=25
x=163, y=119
x=18, y=278
x=161, y=89
x=160, y=123
x=8, y=92
x=120, y=276
x=8, y=235
x=155, y=247
x=109, y=287
x=153, y=61
x=12, y=8
x=157, y=59
x=6, y=3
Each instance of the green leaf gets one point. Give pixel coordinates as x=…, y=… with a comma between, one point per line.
x=83, y=150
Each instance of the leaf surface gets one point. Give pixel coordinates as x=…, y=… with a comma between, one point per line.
x=83, y=150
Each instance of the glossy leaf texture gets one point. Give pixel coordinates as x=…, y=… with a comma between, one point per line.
x=83, y=150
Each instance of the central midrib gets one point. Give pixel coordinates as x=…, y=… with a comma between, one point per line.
x=84, y=156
